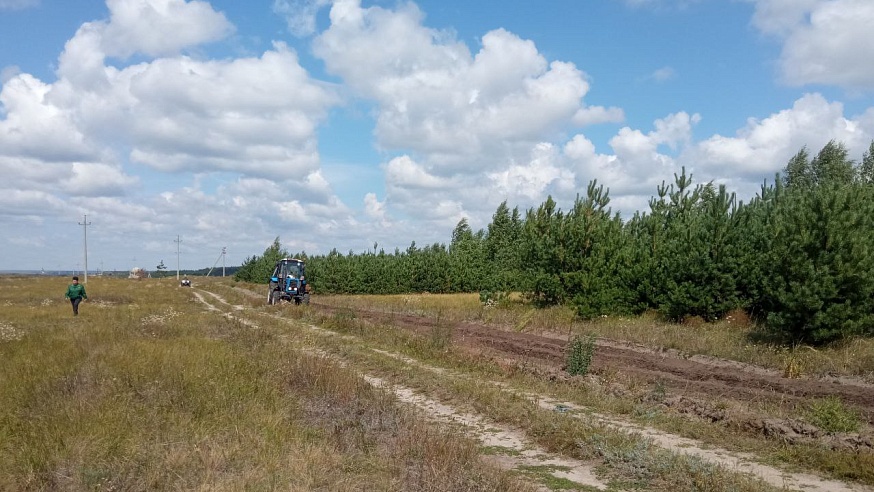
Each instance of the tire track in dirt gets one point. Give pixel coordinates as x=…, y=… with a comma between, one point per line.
x=681, y=376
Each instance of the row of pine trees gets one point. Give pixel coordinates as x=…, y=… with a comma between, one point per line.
x=798, y=257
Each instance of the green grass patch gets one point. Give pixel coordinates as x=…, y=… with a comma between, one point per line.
x=830, y=415
x=545, y=474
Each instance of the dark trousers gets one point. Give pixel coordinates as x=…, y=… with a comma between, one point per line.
x=75, y=302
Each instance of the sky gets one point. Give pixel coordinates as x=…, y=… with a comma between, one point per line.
x=177, y=128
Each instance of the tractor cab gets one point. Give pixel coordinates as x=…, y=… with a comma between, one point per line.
x=288, y=282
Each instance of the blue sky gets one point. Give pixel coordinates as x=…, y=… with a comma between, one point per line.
x=344, y=123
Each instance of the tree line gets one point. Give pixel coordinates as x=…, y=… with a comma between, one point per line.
x=798, y=257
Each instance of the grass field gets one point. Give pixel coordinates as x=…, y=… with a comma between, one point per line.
x=146, y=390
x=154, y=386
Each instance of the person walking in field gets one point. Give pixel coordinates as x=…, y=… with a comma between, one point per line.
x=76, y=294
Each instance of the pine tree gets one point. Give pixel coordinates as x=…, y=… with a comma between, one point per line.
x=257, y=269
x=542, y=255
x=798, y=173
x=819, y=284
x=865, y=174
x=502, y=250
x=817, y=269
x=695, y=265
x=597, y=256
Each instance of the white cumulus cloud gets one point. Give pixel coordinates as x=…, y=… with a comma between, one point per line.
x=160, y=27
x=436, y=98
x=824, y=41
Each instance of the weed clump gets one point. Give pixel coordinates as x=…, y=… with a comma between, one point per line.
x=580, y=354
x=830, y=415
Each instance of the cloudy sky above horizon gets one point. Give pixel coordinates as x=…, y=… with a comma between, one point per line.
x=344, y=123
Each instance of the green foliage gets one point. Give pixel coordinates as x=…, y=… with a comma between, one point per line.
x=257, y=269
x=798, y=256
x=830, y=415
x=502, y=253
x=490, y=298
x=695, y=260
x=542, y=254
x=797, y=173
x=816, y=266
x=865, y=173
x=467, y=260
x=598, y=257
x=832, y=166
x=580, y=353
x=818, y=273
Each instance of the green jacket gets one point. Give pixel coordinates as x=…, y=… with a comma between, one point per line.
x=76, y=290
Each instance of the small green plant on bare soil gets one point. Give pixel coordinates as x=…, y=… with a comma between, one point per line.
x=581, y=351
x=830, y=415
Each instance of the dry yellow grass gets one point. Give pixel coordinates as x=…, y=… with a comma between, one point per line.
x=147, y=390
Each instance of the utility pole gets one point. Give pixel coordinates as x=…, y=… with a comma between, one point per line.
x=85, y=225
x=178, y=241
x=224, y=250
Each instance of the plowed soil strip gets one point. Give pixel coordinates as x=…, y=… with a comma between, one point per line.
x=682, y=376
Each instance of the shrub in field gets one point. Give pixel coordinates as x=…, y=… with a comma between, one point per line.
x=581, y=351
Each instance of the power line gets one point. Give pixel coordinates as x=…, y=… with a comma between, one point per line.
x=221, y=257
x=85, y=225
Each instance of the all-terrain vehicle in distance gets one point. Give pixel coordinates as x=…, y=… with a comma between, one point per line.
x=185, y=282
x=288, y=282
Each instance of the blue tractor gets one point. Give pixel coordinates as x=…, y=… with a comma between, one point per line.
x=288, y=282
